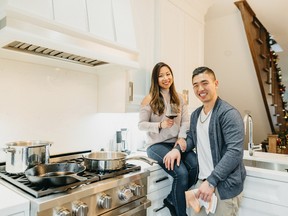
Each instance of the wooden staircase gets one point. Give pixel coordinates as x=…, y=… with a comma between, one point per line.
x=266, y=67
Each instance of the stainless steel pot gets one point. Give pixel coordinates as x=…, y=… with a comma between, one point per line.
x=110, y=161
x=22, y=155
x=55, y=174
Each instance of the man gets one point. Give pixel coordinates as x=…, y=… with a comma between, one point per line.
x=217, y=134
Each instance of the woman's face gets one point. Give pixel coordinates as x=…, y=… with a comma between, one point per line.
x=165, y=78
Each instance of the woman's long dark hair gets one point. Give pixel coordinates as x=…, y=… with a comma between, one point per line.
x=157, y=101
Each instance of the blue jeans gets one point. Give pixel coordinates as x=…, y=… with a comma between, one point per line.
x=184, y=176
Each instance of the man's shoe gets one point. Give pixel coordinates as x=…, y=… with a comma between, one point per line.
x=170, y=207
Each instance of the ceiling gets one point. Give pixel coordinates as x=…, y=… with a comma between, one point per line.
x=272, y=14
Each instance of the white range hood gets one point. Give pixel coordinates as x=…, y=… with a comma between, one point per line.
x=35, y=39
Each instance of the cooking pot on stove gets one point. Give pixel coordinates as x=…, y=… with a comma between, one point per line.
x=106, y=161
x=21, y=155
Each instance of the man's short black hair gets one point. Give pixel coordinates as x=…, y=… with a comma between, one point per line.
x=203, y=69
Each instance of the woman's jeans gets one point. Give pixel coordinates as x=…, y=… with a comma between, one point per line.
x=184, y=176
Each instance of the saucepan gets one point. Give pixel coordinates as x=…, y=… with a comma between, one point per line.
x=103, y=161
x=21, y=155
x=55, y=174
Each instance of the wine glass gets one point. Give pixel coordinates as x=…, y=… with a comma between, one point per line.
x=171, y=111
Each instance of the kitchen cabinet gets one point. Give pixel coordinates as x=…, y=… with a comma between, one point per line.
x=100, y=18
x=124, y=26
x=159, y=186
x=120, y=89
x=180, y=43
x=265, y=189
x=109, y=20
x=13, y=204
x=136, y=78
x=260, y=208
x=40, y=8
x=264, y=196
x=72, y=13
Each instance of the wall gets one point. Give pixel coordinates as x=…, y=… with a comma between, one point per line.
x=227, y=52
x=40, y=102
x=43, y=103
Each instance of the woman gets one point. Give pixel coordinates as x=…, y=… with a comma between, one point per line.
x=166, y=137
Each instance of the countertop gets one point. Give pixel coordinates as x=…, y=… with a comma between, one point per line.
x=251, y=171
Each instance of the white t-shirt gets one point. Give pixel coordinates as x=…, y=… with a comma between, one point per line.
x=203, y=145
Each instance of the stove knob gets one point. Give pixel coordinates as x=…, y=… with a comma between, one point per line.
x=136, y=189
x=105, y=201
x=79, y=209
x=62, y=212
x=125, y=194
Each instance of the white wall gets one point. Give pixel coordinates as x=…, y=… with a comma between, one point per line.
x=227, y=53
x=39, y=102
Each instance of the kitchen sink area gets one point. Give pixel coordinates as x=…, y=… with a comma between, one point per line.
x=266, y=165
x=266, y=174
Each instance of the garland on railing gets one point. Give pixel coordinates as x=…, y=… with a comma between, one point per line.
x=281, y=86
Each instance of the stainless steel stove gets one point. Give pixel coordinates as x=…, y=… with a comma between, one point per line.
x=122, y=192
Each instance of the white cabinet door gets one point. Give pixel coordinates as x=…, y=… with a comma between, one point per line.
x=101, y=21
x=179, y=43
x=112, y=90
x=259, y=208
x=157, y=197
x=123, y=19
x=43, y=8
x=72, y=13
x=159, y=179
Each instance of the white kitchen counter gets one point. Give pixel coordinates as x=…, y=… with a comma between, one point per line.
x=267, y=157
x=265, y=191
x=12, y=203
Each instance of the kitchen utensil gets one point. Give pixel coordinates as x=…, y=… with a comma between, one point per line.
x=103, y=161
x=21, y=155
x=55, y=174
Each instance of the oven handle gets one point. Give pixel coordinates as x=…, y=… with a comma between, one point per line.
x=144, y=205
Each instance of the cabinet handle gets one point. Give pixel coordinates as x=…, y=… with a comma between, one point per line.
x=131, y=92
x=162, y=179
x=158, y=209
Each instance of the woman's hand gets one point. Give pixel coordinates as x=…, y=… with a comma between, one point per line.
x=182, y=143
x=168, y=123
x=170, y=157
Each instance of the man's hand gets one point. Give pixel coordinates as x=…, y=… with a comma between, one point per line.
x=205, y=192
x=170, y=158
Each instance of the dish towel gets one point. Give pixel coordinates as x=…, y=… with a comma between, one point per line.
x=197, y=204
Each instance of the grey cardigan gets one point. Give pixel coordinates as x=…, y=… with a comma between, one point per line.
x=226, y=134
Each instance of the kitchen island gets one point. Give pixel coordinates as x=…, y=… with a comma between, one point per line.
x=265, y=189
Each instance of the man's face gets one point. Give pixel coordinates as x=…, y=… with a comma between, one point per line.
x=204, y=86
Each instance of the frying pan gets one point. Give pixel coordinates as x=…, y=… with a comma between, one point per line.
x=103, y=161
x=55, y=174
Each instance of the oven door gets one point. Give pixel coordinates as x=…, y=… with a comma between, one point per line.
x=136, y=208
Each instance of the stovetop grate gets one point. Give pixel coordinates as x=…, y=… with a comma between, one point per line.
x=20, y=180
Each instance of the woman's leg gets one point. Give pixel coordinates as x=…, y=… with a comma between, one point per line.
x=179, y=174
x=191, y=163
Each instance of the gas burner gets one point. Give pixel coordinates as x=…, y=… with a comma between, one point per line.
x=20, y=180
x=112, y=193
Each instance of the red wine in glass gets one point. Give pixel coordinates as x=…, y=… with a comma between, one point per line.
x=171, y=116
